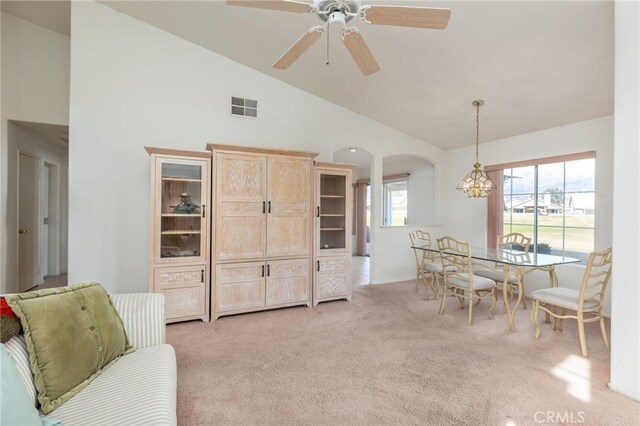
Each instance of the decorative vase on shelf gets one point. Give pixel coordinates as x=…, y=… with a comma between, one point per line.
x=185, y=206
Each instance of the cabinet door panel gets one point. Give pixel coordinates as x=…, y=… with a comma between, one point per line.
x=239, y=286
x=288, y=236
x=181, y=194
x=184, y=290
x=333, y=276
x=287, y=281
x=289, y=216
x=240, y=194
x=239, y=238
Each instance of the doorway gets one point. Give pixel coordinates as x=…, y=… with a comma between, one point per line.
x=37, y=213
x=361, y=228
x=28, y=194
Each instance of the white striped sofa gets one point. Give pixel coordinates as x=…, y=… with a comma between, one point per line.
x=138, y=389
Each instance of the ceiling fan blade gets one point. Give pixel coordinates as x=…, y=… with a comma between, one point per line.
x=299, y=47
x=282, y=5
x=359, y=50
x=405, y=16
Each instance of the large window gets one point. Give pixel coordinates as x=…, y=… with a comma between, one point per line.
x=550, y=200
x=395, y=203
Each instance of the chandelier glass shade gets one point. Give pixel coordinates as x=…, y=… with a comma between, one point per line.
x=477, y=184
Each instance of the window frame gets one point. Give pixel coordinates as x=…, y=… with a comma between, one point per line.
x=386, y=209
x=495, y=205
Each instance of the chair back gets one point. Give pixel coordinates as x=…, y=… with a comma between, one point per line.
x=421, y=238
x=455, y=254
x=596, y=277
x=514, y=240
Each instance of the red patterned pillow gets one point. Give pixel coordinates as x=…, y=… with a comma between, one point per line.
x=9, y=322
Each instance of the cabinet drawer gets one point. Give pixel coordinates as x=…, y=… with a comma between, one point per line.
x=239, y=286
x=333, y=276
x=184, y=290
x=287, y=281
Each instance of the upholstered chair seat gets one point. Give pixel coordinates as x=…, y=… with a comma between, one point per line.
x=478, y=283
x=563, y=297
x=496, y=275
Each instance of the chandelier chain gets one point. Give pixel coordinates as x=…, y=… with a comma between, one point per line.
x=477, y=129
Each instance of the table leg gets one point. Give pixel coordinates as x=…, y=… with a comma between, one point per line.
x=505, y=297
x=506, y=286
x=553, y=282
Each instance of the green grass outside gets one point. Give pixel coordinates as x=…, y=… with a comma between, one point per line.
x=550, y=230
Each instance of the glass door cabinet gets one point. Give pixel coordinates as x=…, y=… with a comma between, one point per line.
x=179, y=246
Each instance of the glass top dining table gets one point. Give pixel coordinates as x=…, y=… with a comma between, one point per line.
x=511, y=257
x=520, y=262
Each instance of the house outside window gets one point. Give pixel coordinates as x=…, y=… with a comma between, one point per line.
x=551, y=200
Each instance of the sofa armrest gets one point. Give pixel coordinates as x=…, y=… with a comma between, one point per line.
x=143, y=317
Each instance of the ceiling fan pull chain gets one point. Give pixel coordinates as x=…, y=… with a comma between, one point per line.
x=328, y=29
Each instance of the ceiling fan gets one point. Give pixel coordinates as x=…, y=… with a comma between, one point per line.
x=343, y=11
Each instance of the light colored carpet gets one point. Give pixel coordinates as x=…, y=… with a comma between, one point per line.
x=387, y=357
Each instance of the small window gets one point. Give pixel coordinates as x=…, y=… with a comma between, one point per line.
x=395, y=203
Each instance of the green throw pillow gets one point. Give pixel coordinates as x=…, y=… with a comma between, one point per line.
x=72, y=334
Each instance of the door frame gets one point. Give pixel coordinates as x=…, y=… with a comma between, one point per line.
x=38, y=207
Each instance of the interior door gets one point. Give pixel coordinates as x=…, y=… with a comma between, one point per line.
x=28, y=177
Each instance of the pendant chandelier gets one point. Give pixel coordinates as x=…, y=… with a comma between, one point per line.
x=476, y=184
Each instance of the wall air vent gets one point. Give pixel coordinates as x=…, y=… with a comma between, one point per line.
x=244, y=107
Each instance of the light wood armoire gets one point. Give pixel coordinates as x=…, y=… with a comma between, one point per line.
x=332, y=239
x=179, y=244
x=262, y=231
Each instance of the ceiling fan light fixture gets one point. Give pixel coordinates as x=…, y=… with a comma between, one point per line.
x=343, y=11
x=477, y=184
x=337, y=17
x=352, y=149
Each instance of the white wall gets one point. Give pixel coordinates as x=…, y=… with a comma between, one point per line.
x=35, y=87
x=135, y=85
x=466, y=218
x=625, y=321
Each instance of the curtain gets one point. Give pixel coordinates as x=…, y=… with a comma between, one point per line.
x=495, y=204
x=361, y=219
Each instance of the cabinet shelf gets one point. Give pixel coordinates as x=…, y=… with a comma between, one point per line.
x=331, y=215
x=331, y=196
x=180, y=214
x=179, y=232
x=331, y=229
x=177, y=179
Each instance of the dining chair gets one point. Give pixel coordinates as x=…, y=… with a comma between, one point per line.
x=511, y=241
x=427, y=262
x=588, y=302
x=459, y=280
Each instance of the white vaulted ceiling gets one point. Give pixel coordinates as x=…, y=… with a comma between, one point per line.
x=536, y=64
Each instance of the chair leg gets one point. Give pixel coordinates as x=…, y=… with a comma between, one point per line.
x=547, y=317
x=444, y=296
x=478, y=300
x=434, y=285
x=604, y=333
x=493, y=304
x=560, y=320
x=417, y=281
x=460, y=298
x=583, y=341
x=471, y=308
x=534, y=319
